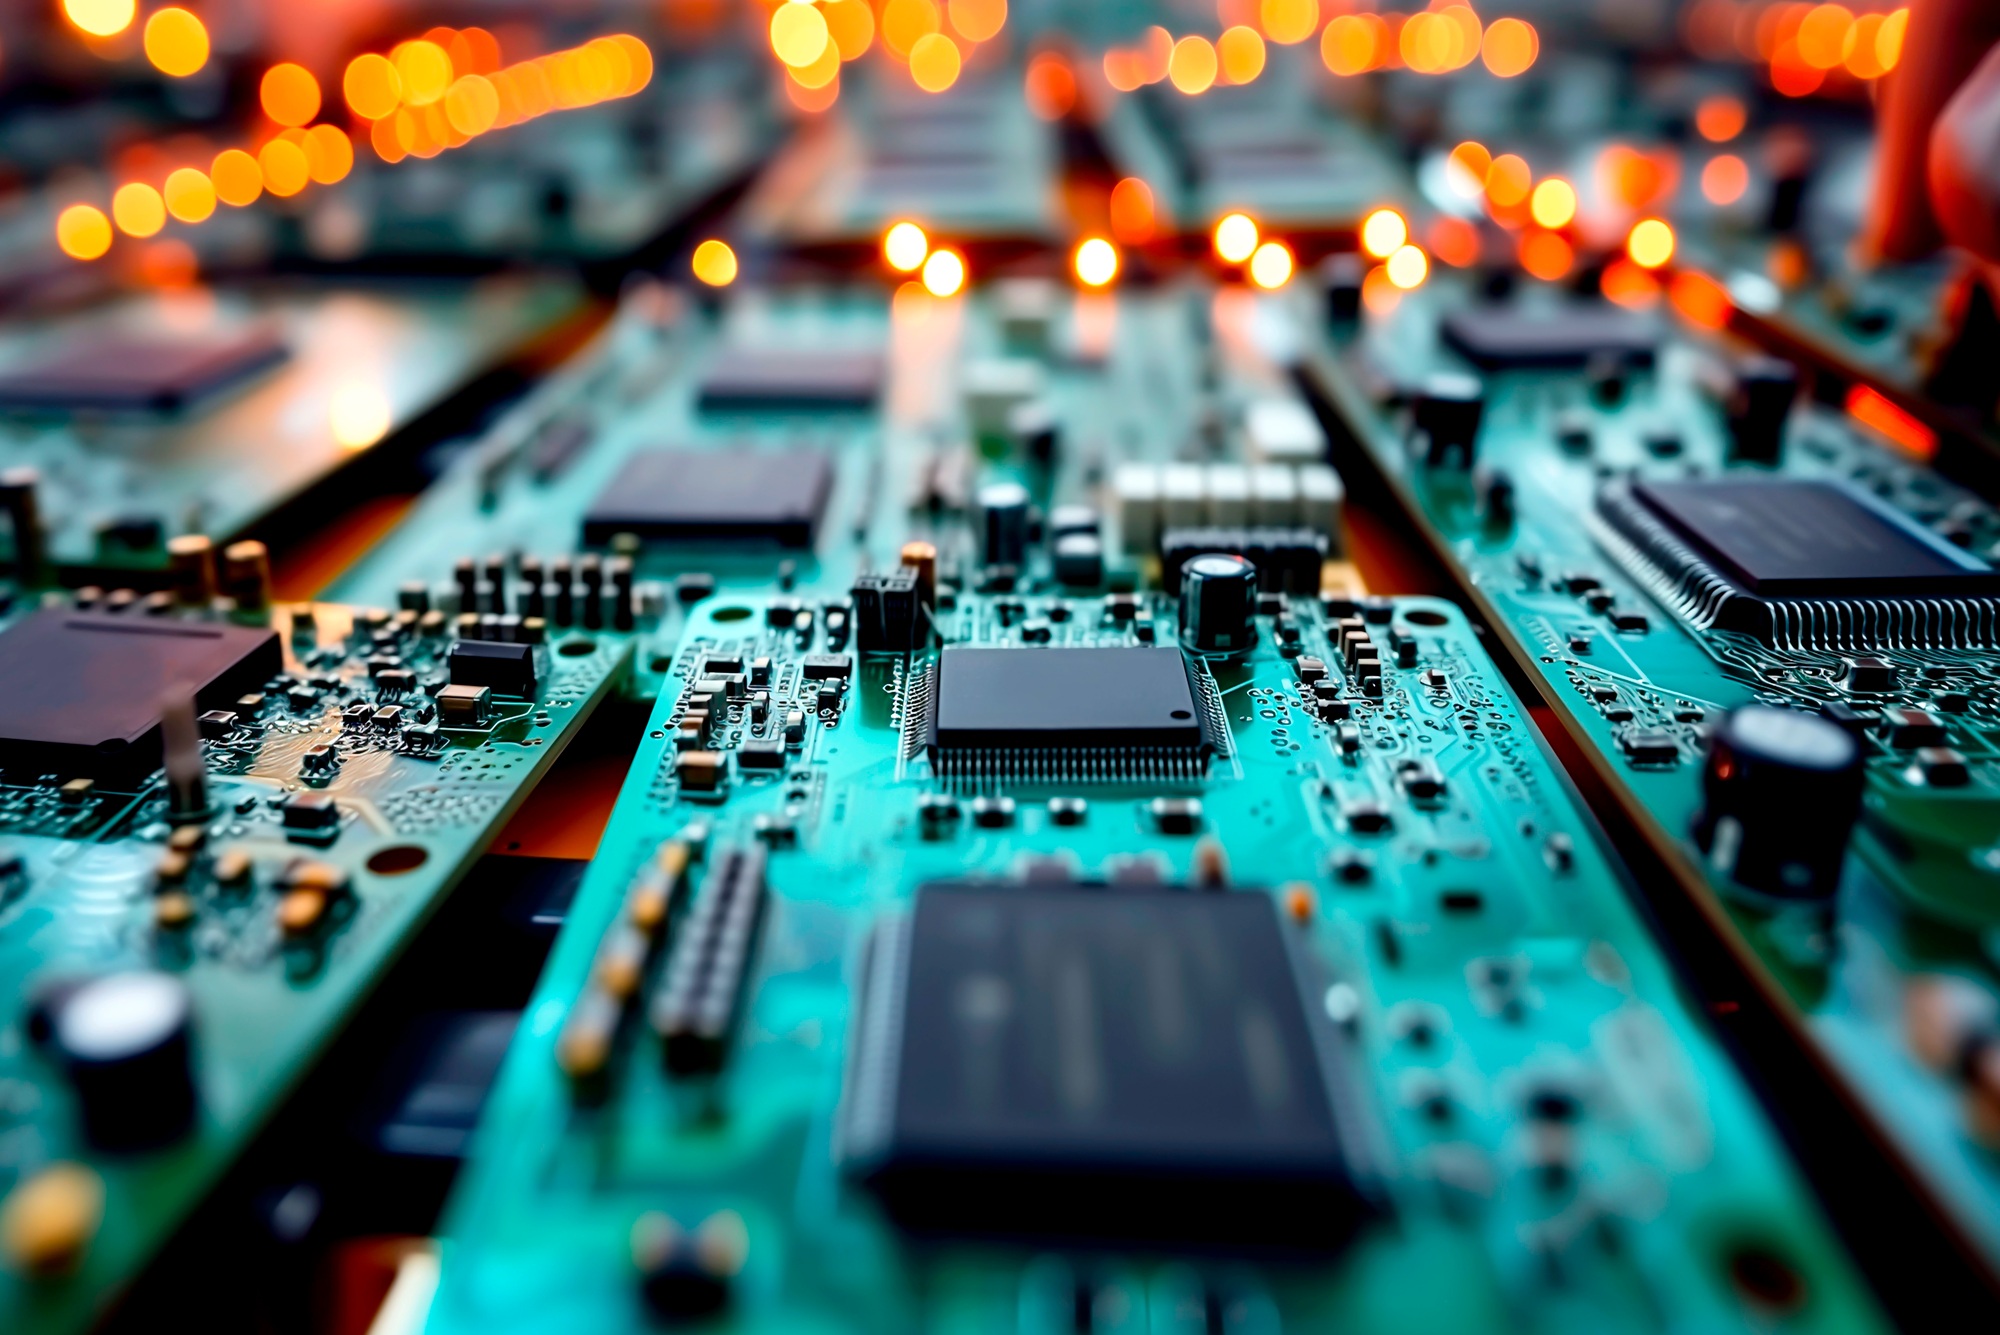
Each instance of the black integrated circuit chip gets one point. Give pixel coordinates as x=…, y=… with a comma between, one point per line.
x=1797, y=563
x=694, y=496
x=1503, y=337
x=1081, y=1063
x=80, y=692
x=817, y=380
x=1069, y=714
x=117, y=372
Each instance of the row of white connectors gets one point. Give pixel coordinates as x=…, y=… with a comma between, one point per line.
x=1151, y=498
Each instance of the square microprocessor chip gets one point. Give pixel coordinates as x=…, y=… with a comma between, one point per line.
x=80, y=692
x=690, y=496
x=1116, y=1065
x=1069, y=714
x=117, y=372
x=793, y=380
x=1502, y=337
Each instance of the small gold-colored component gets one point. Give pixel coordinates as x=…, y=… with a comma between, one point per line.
x=921, y=557
x=300, y=911
x=76, y=790
x=1300, y=903
x=232, y=867
x=646, y=905
x=174, y=909
x=187, y=838
x=172, y=868
x=49, y=1219
x=1211, y=864
x=191, y=559
x=584, y=1045
x=324, y=877
x=621, y=961
x=246, y=575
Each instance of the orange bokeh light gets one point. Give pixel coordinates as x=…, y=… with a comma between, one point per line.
x=1720, y=118
x=289, y=94
x=1241, y=50
x=1507, y=181
x=1509, y=47
x=1050, y=86
x=1133, y=220
x=1193, y=65
x=1724, y=179
x=1546, y=255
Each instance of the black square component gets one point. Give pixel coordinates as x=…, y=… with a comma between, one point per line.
x=689, y=496
x=125, y=373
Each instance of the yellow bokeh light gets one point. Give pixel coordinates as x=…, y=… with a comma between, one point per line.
x=852, y=26
x=1241, y=50
x=472, y=104
x=638, y=60
x=138, y=209
x=1096, y=262
x=821, y=72
x=934, y=62
x=1383, y=232
x=1466, y=168
x=799, y=34
x=1289, y=22
x=1407, y=268
x=83, y=232
x=1822, y=35
x=1553, y=204
x=189, y=195
x=1192, y=66
x=1466, y=45
x=283, y=164
x=176, y=42
x=905, y=247
x=1889, y=38
x=944, y=273
x=101, y=18
x=329, y=153
x=1650, y=244
x=1271, y=265
x=372, y=86
x=1235, y=238
x=1429, y=43
x=977, y=20
x=905, y=21
x=289, y=94
x=238, y=179
x=1353, y=43
x=1508, y=180
x=358, y=415
x=714, y=263
x=1509, y=47
x=425, y=71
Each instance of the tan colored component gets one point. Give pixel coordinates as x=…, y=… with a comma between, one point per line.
x=187, y=838
x=323, y=877
x=232, y=867
x=1301, y=904
x=246, y=575
x=1211, y=864
x=621, y=964
x=1940, y=1012
x=921, y=557
x=300, y=911
x=49, y=1220
x=173, y=910
x=584, y=1046
x=191, y=560
x=172, y=868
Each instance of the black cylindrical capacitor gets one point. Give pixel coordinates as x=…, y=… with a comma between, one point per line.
x=1780, y=795
x=1759, y=404
x=1218, y=598
x=624, y=611
x=1447, y=413
x=1003, y=506
x=590, y=574
x=18, y=487
x=1341, y=277
x=124, y=1039
x=465, y=574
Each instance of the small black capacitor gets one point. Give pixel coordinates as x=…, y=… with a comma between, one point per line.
x=1760, y=401
x=1340, y=278
x=1218, y=599
x=1780, y=795
x=1447, y=414
x=124, y=1039
x=1003, y=508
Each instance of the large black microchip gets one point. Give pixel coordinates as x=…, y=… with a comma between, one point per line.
x=1104, y=1064
x=793, y=381
x=691, y=496
x=1500, y=337
x=80, y=692
x=118, y=372
x=1073, y=713
x=1798, y=563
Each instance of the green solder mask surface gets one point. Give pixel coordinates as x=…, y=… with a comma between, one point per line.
x=415, y=809
x=1477, y=950
x=1923, y=877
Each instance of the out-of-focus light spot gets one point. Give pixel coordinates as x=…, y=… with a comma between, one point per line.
x=1724, y=179
x=905, y=21
x=1466, y=49
x=358, y=415
x=1626, y=284
x=1383, y=233
x=1241, y=51
x=372, y=86
x=1455, y=241
x=799, y=34
x=1050, y=86
x=944, y=273
x=934, y=62
x=1193, y=65
x=1889, y=39
x=1378, y=294
x=189, y=194
x=1507, y=181
x=1271, y=265
x=1788, y=264
x=821, y=72
x=1509, y=47
x=1465, y=170
x=176, y=42
x=1156, y=52
x=1545, y=255
x=284, y=166
x=1822, y=35
x=1235, y=238
x=714, y=263
x=138, y=209
x=239, y=181
x=1720, y=118
x=905, y=247
x=168, y=263
x=1872, y=409
x=1121, y=70
x=1133, y=219
x=1857, y=49
x=472, y=104
x=1354, y=43
x=1096, y=262
x=1407, y=268
x=1791, y=75
x=1553, y=203
x=1636, y=179
x=1699, y=300
x=1650, y=243
x=329, y=153
x=474, y=51
x=425, y=70
x=852, y=25
x=1289, y=22
x=101, y=18
x=289, y=94
x=83, y=232
x=978, y=20
x=384, y=138
x=811, y=101
x=638, y=60
x=1428, y=42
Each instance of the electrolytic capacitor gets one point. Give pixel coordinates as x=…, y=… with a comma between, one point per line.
x=191, y=561
x=124, y=1040
x=246, y=575
x=1780, y=796
x=1447, y=414
x=1759, y=404
x=18, y=487
x=1003, y=508
x=1218, y=599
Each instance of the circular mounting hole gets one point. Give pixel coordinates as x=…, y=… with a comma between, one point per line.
x=1765, y=1278
x=1180, y=713
x=1423, y=616
x=731, y=613
x=577, y=648
x=397, y=859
